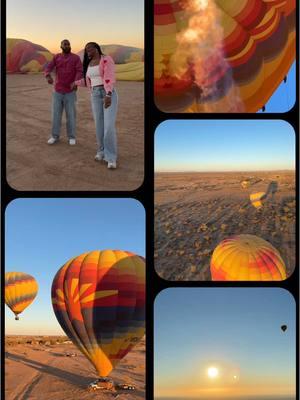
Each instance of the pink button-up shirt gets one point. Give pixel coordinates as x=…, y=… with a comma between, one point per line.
x=68, y=69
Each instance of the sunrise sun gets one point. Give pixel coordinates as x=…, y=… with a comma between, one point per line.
x=212, y=372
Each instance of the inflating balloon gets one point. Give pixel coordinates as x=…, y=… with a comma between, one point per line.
x=220, y=55
x=23, y=56
x=246, y=258
x=20, y=291
x=99, y=300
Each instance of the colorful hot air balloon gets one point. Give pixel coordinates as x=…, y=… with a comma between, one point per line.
x=246, y=258
x=99, y=300
x=23, y=56
x=257, y=199
x=20, y=291
x=221, y=56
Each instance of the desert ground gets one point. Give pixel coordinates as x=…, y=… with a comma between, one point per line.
x=38, y=368
x=194, y=212
x=32, y=164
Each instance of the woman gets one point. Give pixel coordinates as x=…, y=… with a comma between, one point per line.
x=99, y=76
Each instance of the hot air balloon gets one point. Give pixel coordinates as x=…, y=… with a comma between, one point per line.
x=99, y=300
x=23, y=56
x=257, y=199
x=221, y=56
x=283, y=328
x=246, y=258
x=20, y=291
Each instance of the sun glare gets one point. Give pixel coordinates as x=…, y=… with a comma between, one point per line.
x=212, y=372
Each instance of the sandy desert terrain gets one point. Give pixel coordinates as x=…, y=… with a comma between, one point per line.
x=194, y=212
x=32, y=164
x=38, y=368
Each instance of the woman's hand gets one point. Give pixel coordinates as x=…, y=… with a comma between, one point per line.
x=73, y=86
x=107, y=101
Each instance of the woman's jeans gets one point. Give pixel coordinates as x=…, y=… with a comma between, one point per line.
x=61, y=101
x=105, y=120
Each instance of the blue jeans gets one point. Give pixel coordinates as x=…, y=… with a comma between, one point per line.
x=105, y=122
x=60, y=102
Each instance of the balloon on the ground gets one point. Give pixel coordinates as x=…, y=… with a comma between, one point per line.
x=221, y=55
x=20, y=291
x=99, y=300
x=129, y=61
x=23, y=56
x=246, y=258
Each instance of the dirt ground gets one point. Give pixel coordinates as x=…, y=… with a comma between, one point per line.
x=194, y=212
x=32, y=164
x=43, y=371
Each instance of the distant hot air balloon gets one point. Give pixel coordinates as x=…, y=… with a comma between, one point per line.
x=208, y=53
x=99, y=300
x=246, y=258
x=20, y=291
x=283, y=328
x=257, y=199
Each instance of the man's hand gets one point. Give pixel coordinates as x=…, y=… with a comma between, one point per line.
x=107, y=101
x=49, y=79
x=73, y=86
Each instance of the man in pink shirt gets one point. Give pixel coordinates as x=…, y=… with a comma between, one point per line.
x=68, y=69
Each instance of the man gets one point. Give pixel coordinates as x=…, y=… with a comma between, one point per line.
x=68, y=69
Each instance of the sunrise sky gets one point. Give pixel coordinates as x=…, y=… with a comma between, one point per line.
x=47, y=22
x=233, y=334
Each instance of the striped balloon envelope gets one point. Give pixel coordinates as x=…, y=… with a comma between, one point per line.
x=246, y=258
x=20, y=291
x=238, y=48
x=99, y=300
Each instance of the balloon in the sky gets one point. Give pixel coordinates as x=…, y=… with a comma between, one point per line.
x=99, y=300
x=246, y=258
x=221, y=55
x=257, y=199
x=23, y=56
x=283, y=328
x=20, y=291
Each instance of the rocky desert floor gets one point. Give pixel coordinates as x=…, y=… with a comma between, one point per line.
x=194, y=212
x=52, y=368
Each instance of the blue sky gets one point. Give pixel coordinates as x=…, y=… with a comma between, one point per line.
x=47, y=22
x=236, y=330
x=42, y=234
x=224, y=145
x=284, y=97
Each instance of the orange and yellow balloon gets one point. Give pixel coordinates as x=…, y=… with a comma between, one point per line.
x=246, y=52
x=99, y=300
x=246, y=258
x=20, y=291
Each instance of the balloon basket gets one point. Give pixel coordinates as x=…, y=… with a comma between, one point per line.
x=101, y=384
x=108, y=384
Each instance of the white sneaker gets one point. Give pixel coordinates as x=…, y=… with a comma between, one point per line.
x=52, y=140
x=99, y=157
x=72, y=142
x=111, y=165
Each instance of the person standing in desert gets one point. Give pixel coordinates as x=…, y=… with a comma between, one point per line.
x=99, y=76
x=68, y=68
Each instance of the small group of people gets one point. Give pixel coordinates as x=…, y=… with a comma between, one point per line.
x=97, y=72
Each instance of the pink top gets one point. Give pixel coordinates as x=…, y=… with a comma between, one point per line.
x=107, y=73
x=68, y=69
